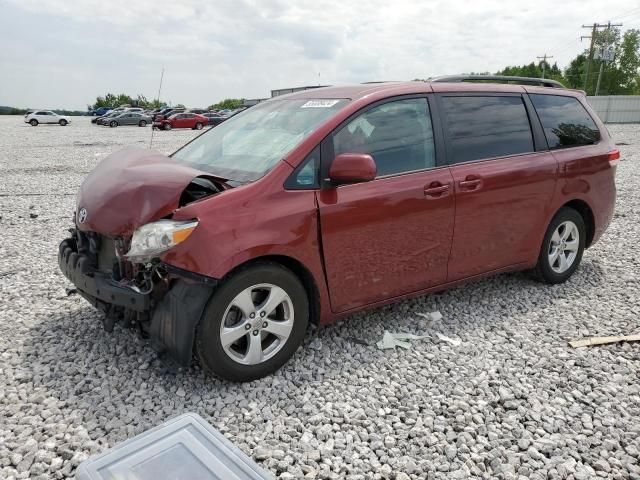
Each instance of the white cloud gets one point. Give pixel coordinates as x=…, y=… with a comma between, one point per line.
x=245, y=48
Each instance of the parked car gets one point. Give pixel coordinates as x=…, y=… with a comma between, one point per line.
x=98, y=112
x=166, y=113
x=46, y=116
x=199, y=111
x=104, y=120
x=112, y=113
x=182, y=120
x=128, y=118
x=214, y=119
x=310, y=208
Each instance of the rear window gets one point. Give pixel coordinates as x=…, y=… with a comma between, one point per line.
x=486, y=127
x=565, y=121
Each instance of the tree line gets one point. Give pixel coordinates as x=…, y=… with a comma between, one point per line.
x=619, y=77
x=117, y=100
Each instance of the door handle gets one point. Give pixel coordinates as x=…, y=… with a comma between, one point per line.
x=470, y=183
x=435, y=190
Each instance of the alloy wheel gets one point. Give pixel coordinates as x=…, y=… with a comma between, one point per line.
x=564, y=246
x=257, y=324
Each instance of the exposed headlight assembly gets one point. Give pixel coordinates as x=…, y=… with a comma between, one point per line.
x=152, y=239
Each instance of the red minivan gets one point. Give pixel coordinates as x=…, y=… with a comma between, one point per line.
x=315, y=205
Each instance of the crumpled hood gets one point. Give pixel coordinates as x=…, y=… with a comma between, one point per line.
x=129, y=188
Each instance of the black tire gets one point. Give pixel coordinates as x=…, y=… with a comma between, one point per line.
x=113, y=124
x=543, y=270
x=167, y=126
x=33, y=122
x=63, y=123
x=143, y=123
x=209, y=349
x=198, y=126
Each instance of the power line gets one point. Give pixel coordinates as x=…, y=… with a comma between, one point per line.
x=620, y=16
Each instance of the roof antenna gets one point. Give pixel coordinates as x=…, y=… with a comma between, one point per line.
x=157, y=98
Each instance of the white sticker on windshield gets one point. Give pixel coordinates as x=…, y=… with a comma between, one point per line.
x=320, y=103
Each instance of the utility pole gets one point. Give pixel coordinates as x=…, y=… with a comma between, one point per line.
x=594, y=29
x=593, y=39
x=544, y=62
x=599, y=77
x=605, y=56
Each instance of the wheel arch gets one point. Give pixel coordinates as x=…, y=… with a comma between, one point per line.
x=586, y=212
x=300, y=271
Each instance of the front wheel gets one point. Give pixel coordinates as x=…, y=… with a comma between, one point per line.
x=142, y=123
x=113, y=124
x=167, y=126
x=34, y=123
x=562, y=247
x=63, y=123
x=254, y=322
x=198, y=126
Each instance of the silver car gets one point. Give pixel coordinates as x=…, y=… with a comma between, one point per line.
x=129, y=118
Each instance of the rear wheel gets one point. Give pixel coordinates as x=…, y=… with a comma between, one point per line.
x=253, y=324
x=562, y=247
x=113, y=124
x=34, y=122
x=63, y=122
x=142, y=123
x=198, y=126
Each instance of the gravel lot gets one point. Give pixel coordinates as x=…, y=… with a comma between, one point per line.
x=512, y=401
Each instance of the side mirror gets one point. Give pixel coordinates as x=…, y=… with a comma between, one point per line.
x=352, y=168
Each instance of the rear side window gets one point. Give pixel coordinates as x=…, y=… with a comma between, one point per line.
x=565, y=121
x=486, y=127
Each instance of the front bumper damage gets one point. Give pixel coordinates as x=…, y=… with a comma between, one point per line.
x=166, y=309
x=97, y=287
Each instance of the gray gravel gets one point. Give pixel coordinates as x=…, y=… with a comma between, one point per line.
x=512, y=402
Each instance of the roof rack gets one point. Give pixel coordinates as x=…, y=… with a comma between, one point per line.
x=542, y=82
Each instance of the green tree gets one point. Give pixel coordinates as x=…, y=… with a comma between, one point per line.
x=112, y=100
x=227, y=103
x=574, y=73
x=629, y=62
x=619, y=77
x=534, y=70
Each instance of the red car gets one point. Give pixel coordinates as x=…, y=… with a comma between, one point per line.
x=182, y=120
x=312, y=206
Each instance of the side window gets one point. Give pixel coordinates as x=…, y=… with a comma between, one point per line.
x=306, y=175
x=486, y=127
x=565, y=121
x=398, y=135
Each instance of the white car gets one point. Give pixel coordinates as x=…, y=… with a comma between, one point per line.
x=46, y=116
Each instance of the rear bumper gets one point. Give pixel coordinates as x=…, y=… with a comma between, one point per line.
x=95, y=286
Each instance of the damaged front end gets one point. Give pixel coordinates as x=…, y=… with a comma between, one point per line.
x=112, y=256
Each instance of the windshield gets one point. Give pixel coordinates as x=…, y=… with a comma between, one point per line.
x=246, y=146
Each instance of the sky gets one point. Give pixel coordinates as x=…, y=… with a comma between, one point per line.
x=62, y=54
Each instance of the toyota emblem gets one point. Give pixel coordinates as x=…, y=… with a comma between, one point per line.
x=82, y=215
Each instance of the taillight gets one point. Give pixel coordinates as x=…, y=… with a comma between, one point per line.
x=613, y=157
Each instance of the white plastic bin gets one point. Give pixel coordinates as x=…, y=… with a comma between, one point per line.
x=184, y=448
